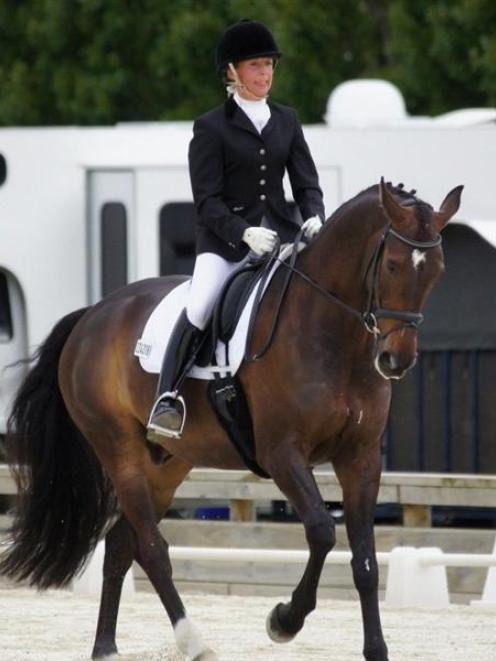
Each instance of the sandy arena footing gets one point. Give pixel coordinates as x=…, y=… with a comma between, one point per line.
x=59, y=625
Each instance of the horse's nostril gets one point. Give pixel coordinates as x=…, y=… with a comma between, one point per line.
x=387, y=360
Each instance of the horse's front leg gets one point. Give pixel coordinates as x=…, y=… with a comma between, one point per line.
x=295, y=479
x=359, y=476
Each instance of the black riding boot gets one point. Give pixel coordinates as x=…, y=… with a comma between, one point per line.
x=168, y=413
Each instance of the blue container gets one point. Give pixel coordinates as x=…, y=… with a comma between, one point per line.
x=212, y=513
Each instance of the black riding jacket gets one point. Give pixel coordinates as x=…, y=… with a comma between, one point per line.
x=237, y=174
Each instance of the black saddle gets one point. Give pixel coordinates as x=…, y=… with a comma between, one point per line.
x=230, y=304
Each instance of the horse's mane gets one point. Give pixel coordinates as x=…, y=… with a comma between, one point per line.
x=406, y=198
x=398, y=190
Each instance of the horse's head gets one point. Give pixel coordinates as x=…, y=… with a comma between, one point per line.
x=407, y=262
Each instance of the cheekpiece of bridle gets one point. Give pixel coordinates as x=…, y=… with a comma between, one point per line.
x=373, y=312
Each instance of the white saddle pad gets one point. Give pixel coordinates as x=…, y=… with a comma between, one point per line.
x=150, y=348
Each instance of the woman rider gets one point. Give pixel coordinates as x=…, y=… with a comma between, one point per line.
x=237, y=159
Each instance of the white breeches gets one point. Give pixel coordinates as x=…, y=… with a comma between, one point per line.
x=209, y=275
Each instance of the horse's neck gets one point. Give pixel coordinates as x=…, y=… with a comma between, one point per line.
x=336, y=260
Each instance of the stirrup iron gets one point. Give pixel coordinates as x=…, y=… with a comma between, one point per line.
x=163, y=431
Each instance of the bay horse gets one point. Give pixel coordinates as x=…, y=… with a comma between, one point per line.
x=321, y=393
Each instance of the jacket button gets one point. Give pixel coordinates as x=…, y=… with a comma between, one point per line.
x=263, y=166
x=262, y=151
x=262, y=182
x=263, y=197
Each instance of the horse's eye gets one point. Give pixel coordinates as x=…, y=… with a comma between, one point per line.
x=391, y=266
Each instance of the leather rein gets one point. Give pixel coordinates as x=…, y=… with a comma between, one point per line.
x=372, y=313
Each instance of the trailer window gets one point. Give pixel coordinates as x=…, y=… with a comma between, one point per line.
x=113, y=247
x=3, y=169
x=5, y=312
x=177, y=238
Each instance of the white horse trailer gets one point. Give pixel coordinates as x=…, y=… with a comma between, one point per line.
x=85, y=210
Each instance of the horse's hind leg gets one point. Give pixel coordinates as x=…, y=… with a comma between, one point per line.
x=152, y=553
x=121, y=548
x=119, y=554
x=296, y=481
x=359, y=478
x=144, y=491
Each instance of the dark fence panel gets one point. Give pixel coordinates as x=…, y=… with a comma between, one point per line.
x=443, y=415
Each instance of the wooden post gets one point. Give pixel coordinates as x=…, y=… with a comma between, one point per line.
x=417, y=516
x=241, y=510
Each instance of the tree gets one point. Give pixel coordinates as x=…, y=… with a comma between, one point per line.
x=324, y=43
x=104, y=61
x=443, y=54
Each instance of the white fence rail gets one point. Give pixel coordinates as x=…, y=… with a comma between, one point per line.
x=459, y=560
x=271, y=556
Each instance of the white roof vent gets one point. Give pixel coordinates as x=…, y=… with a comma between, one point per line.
x=360, y=103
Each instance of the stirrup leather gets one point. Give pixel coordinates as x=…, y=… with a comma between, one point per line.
x=163, y=431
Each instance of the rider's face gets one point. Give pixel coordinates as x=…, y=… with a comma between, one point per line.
x=255, y=76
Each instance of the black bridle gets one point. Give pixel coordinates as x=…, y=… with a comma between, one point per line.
x=373, y=312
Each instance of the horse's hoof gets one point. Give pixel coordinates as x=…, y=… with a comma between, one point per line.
x=274, y=629
x=378, y=652
x=107, y=652
x=206, y=655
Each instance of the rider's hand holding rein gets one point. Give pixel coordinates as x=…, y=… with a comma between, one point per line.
x=260, y=239
x=311, y=227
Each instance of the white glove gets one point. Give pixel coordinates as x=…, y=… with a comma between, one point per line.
x=260, y=239
x=311, y=227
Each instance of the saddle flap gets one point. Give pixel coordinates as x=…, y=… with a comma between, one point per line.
x=228, y=400
x=233, y=298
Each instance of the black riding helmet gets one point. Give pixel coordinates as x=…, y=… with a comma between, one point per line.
x=243, y=41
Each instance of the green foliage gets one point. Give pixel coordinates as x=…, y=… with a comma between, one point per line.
x=103, y=61
x=443, y=53
x=324, y=43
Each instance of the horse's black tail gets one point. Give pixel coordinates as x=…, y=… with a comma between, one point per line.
x=64, y=497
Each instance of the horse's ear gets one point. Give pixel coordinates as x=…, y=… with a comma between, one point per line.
x=448, y=208
x=393, y=210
